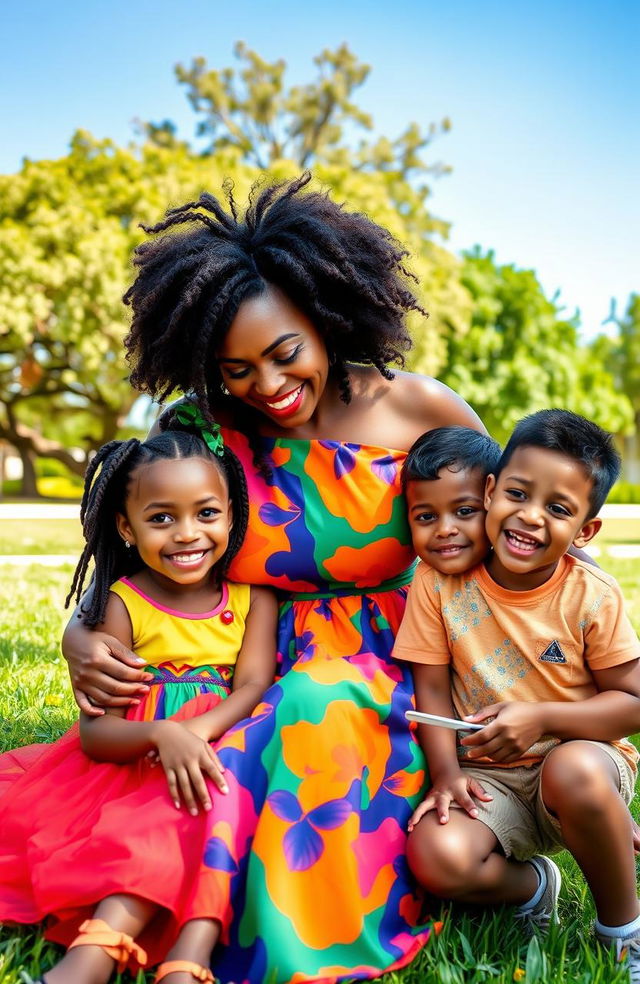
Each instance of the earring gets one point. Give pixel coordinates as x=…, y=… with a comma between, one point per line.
x=127, y=545
x=224, y=390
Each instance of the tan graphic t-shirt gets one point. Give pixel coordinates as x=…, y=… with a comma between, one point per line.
x=538, y=645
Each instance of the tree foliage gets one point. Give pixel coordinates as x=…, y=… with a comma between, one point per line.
x=520, y=354
x=621, y=358
x=252, y=110
x=68, y=228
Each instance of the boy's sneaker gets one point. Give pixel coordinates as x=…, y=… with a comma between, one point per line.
x=540, y=916
x=626, y=948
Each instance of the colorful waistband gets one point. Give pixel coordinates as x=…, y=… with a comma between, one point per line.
x=401, y=581
x=172, y=673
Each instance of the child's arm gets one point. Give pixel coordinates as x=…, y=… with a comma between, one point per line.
x=448, y=781
x=612, y=713
x=254, y=671
x=184, y=756
x=109, y=738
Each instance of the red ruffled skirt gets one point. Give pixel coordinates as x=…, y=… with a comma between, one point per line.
x=75, y=831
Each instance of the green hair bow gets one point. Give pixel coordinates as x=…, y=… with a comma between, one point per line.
x=191, y=416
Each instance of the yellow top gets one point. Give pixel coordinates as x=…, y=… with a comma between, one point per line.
x=163, y=634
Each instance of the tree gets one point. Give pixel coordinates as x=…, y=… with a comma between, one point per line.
x=252, y=111
x=520, y=354
x=68, y=228
x=621, y=356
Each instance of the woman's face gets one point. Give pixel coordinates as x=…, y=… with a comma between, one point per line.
x=274, y=359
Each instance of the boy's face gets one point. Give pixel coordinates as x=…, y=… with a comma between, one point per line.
x=536, y=510
x=446, y=517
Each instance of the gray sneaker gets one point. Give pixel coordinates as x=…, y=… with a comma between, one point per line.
x=626, y=947
x=540, y=916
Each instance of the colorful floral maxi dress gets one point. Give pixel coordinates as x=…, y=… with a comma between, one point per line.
x=309, y=844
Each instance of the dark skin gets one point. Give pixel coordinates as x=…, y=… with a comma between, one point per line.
x=383, y=413
x=579, y=781
x=183, y=747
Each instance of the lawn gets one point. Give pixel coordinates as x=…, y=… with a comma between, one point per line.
x=41, y=536
x=36, y=705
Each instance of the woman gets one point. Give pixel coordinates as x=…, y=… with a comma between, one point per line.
x=281, y=325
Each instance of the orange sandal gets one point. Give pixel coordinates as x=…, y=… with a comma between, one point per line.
x=197, y=971
x=119, y=946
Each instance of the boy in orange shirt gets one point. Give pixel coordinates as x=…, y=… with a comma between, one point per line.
x=535, y=643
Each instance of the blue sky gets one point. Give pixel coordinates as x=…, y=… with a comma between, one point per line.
x=544, y=100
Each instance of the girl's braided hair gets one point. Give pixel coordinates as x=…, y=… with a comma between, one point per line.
x=105, y=494
x=344, y=272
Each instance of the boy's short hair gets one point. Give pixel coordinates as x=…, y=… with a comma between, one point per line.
x=449, y=447
x=573, y=436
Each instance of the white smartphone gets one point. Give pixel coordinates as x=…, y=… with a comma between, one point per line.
x=443, y=722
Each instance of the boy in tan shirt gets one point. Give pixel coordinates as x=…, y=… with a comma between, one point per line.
x=535, y=645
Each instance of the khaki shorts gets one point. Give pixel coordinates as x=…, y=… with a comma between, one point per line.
x=517, y=814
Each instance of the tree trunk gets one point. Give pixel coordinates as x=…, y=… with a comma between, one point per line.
x=28, y=487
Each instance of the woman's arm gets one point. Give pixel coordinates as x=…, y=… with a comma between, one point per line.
x=254, y=670
x=104, y=671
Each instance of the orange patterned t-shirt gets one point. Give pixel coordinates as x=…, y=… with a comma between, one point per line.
x=538, y=645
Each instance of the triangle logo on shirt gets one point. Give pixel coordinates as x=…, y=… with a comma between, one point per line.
x=553, y=653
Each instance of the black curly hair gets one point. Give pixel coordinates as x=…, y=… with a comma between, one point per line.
x=105, y=495
x=344, y=272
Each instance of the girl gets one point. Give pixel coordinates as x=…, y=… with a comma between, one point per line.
x=162, y=520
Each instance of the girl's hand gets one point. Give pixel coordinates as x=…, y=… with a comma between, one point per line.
x=186, y=760
x=517, y=725
x=199, y=726
x=454, y=788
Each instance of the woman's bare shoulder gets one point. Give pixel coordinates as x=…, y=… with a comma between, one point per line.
x=432, y=402
x=395, y=412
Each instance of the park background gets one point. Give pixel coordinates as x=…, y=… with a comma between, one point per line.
x=496, y=141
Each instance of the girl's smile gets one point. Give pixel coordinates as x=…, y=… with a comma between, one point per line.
x=177, y=515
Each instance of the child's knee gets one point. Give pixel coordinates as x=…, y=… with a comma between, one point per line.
x=441, y=858
x=576, y=778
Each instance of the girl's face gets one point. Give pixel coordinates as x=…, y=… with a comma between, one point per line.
x=178, y=515
x=274, y=359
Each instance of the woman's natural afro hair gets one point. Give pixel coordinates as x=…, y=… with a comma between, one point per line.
x=344, y=272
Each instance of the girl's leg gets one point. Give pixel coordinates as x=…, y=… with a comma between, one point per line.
x=90, y=964
x=461, y=860
x=579, y=786
x=195, y=944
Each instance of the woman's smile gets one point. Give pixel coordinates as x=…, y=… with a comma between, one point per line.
x=288, y=404
x=274, y=359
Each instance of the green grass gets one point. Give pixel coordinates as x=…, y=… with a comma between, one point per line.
x=473, y=947
x=41, y=536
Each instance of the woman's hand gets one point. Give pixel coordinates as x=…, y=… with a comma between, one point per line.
x=186, y=760
x=451, y=788
x=517, y=725
x=103, y=671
